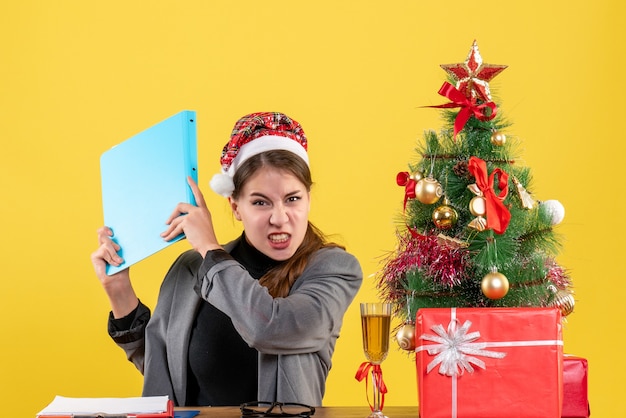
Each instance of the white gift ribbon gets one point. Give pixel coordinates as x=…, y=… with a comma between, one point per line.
x=455, y=350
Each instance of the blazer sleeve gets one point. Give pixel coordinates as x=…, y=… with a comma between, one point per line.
x=303, y=321
x=132, y=340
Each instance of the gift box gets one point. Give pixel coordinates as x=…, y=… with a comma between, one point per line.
x=489, y=362
x=575, y=398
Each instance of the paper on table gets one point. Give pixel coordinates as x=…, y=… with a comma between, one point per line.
x=143, y=405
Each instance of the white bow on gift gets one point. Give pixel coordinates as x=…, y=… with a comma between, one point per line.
x=455, y=349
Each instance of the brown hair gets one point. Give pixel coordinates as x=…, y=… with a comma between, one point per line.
x=280, y=279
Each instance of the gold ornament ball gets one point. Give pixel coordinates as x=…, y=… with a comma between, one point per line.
x=498, y=139
x=445, y=217
x=428, y=190
x=406, y=337
x=564, y=300
x=495, y=285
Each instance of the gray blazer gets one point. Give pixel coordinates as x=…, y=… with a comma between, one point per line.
x=295, y=335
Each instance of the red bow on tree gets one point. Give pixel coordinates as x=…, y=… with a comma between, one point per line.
x=404, y=179
x=497, y=214
x=468, y=107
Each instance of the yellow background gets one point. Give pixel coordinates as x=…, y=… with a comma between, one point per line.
x=77, y=77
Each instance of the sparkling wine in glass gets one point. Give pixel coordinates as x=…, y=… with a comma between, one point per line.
x=375, y=325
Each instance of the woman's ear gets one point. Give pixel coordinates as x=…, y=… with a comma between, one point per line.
x=234, y=207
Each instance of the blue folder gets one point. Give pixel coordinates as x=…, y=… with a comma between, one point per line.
x=143, y=179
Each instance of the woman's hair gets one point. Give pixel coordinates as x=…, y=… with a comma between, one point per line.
x=280, y=278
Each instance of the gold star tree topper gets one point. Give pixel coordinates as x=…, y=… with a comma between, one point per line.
x=473, y=75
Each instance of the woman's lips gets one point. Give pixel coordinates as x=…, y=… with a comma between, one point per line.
x=279, y=241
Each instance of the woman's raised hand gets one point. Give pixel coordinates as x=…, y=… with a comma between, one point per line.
x=194, y=221
x=117, y=286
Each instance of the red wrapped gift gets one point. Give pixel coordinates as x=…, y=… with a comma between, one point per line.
x=489, y=362
x=575, y=399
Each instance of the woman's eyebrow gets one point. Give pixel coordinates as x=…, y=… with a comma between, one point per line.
x=259, y=194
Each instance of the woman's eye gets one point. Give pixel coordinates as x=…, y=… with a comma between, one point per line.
x=293, y=198
x=259, y=203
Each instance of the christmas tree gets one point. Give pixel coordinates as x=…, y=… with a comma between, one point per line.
x=471, y=232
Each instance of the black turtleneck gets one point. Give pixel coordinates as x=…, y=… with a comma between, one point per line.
x=222, y=368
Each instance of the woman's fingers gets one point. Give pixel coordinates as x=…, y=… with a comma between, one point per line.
x=104, y=234
x=107, y=251
x=174, y=227
x=180, y=209
x=194, y=221
x=197, y=194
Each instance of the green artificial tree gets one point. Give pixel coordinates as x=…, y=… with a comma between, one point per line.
x=471, y=232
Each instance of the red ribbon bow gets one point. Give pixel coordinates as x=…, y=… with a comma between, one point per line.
x=404, y=179
x=377, y=380
x=498, y=215
x=468, y=107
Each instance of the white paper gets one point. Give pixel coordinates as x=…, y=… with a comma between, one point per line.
x=143, y=405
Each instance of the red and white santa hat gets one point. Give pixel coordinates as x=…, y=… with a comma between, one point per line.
x=253, y=134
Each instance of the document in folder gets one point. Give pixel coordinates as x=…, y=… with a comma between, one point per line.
x=150, y=406
x=143, y=179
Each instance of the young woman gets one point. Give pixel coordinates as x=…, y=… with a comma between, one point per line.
x=257, y=318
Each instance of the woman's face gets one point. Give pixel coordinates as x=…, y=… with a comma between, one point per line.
x=273, y=206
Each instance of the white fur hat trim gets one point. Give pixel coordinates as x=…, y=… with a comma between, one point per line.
x=222, y=183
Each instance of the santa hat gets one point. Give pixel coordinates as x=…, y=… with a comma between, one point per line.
x=253, y=134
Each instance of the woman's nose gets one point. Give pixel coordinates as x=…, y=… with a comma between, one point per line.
x=279, y=215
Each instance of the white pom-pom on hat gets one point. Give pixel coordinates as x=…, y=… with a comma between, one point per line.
x=222, y=184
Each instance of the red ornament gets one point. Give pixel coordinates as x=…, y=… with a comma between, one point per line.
x=473, y=75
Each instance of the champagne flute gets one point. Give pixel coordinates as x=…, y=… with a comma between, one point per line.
x=375, y=326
